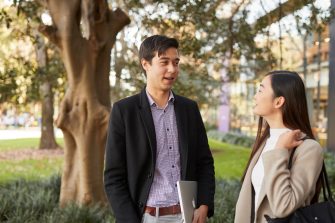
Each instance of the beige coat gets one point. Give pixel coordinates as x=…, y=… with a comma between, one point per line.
x=283, y=190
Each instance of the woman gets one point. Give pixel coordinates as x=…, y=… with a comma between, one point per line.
x=269, y=187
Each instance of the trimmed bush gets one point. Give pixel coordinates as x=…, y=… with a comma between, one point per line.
x=37, y=201
x=231, y=138
x=226, y=195
x=330, y=167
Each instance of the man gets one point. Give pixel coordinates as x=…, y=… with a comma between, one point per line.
x=156, y=138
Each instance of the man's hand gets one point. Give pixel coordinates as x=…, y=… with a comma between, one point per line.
x=200, y=214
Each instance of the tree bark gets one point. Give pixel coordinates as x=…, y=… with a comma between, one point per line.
x=47, y=140
x=84, y=111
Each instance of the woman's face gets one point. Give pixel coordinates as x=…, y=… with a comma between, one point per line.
x=264, y=99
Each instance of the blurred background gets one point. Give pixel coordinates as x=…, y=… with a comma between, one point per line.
x=226, y=47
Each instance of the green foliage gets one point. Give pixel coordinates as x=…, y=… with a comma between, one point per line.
x=226, y=195
x=330, y=167
x=232, y=138
x=23, y=201
x=37, y=201
x=15, y=82
x=20, y=76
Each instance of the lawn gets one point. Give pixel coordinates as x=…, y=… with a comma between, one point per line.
x=29, y=169
x=16, y=144
x=229, y=161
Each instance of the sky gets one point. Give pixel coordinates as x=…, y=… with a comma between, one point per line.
x=287, y=23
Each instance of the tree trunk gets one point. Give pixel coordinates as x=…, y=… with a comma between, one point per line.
x=47, y=140
x=84, y=111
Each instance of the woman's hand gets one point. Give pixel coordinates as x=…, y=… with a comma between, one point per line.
x=200, y=214
x=290, y=139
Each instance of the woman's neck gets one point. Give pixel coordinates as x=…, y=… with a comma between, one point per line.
x=275, y=121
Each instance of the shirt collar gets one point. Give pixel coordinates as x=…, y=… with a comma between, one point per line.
x=153, y=103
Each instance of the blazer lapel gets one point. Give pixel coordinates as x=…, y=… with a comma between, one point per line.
x=148, y=122
x=262, y=191
x=181, y=119
x=253, y=162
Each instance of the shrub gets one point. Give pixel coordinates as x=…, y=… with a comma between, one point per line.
x=28, y=201
x=226, y=195
x=330, y=167
x=37, y=201
x=231, y=138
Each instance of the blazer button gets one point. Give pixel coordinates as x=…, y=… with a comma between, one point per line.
x=149, y=175
x=140, y=204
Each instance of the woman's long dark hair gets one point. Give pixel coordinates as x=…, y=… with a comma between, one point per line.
x=295, y=113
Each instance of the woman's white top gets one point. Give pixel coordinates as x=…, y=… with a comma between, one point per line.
x=257, y=174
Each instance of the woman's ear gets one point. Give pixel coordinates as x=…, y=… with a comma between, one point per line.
x=279, y=101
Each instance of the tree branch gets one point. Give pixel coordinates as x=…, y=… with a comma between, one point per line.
x=51, y=33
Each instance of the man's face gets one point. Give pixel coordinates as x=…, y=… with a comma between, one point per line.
x=163, y=70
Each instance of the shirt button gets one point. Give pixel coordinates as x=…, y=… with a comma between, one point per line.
x=172, y=166
x=170, y=147
x=167, y=129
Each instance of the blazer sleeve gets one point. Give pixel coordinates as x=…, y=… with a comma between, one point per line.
x=205, y=168
x=288, y=190
x=115, y=173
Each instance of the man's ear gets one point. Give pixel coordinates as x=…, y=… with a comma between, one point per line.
x=145, y=64
x=279, y=101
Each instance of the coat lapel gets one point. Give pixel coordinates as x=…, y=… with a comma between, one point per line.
x=244, y=203
x=262, y=191
x=181, y=119
x=148, y=122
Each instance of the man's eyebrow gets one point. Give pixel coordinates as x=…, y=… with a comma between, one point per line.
x=168, y=58
x=261, y=85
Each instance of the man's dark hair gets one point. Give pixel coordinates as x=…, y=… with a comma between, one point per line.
x=153, y=44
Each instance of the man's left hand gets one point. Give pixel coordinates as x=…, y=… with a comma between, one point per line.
x=200, y=214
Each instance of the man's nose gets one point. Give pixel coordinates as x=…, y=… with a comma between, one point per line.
x=172, y=68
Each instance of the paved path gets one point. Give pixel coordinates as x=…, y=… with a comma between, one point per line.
x=24, y=133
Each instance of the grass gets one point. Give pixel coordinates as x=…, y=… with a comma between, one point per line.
x=29, y=169
x=29, y=143
x=229, y=160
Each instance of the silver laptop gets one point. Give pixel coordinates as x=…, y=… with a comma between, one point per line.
x=187, y=192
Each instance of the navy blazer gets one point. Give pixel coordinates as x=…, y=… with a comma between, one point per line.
x=131, y=155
